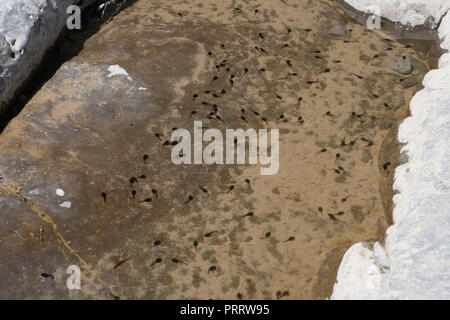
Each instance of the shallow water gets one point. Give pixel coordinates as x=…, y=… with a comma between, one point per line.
x=351, y=109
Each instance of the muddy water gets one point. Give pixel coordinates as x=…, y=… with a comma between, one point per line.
x=351, y=110
x=334, y=184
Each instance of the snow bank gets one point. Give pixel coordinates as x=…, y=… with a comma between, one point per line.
x=27, y=29
x=414, y=12
x=415, y=261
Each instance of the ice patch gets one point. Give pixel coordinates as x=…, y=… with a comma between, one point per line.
x=60, y=192
x=116, y=70
x=66, y=204
x=414, y=12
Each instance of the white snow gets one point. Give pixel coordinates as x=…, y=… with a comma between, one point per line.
x=116, y=70
x=414, y=12
x=415, y=262
x=27, y=29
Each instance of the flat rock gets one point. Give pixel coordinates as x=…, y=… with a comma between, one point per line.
x=341, y=31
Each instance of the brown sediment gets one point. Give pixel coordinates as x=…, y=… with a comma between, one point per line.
x=352, y=110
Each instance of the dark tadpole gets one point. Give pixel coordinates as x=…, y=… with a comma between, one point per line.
x=230, y=188
x=268, y=234
x=239, y=296
x=47, y=275
x=175, y=260
x=209, y=234
x=386, y=165
x=195, y=243
x=104, y=196
x=290, y=239
x=133, y=194
x=247, y=181
x=203, y=189
x=212, y=269
x=157, y=243
x=159, y=260
x=155, y=192
x=332, y=217
x=249, y=214
x=190, y=198
x=145, y=157
x=133, y=180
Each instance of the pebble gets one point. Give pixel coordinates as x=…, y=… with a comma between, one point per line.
x=60, y=192
x=401, y=65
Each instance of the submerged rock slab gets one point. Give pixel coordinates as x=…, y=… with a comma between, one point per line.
x=99, y=130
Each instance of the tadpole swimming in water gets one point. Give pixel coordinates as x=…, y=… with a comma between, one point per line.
x=209, y=234
x=290, y=239
x=47, y=275
x=332, y=217
x=159, y=260
x=211, y=269
x=104, y=196
x=190, y=198
x=175, y=260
